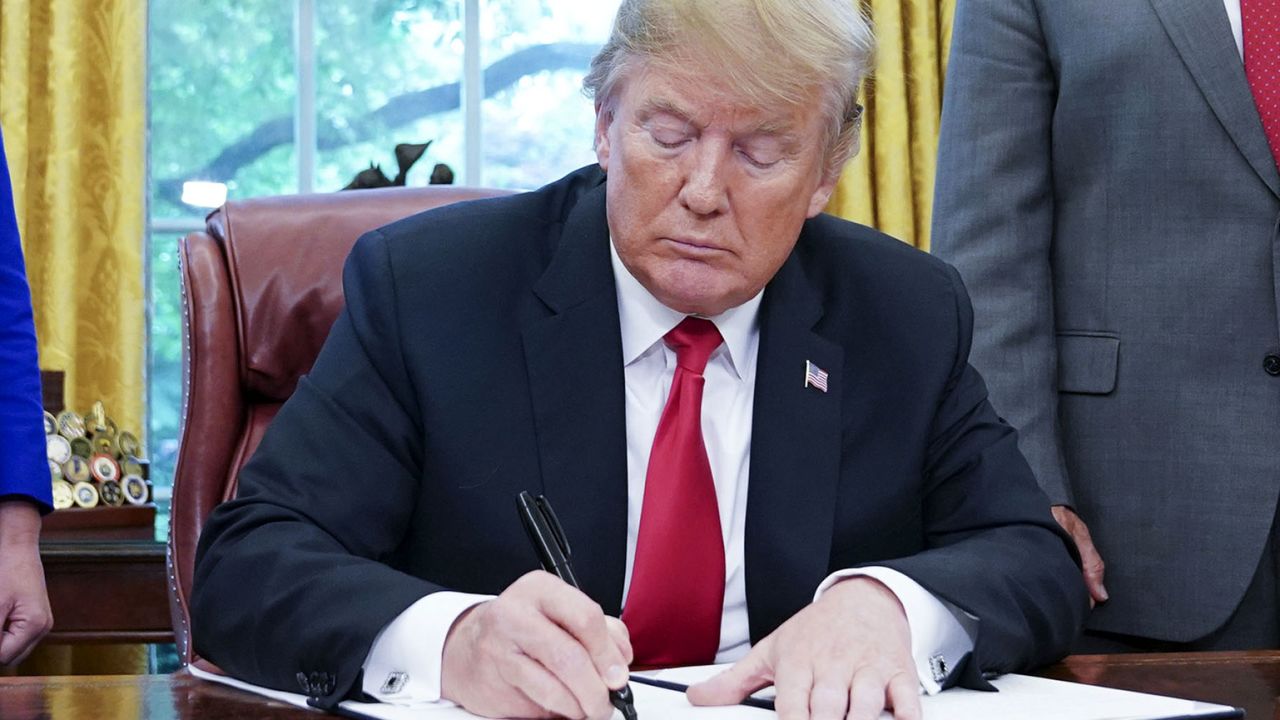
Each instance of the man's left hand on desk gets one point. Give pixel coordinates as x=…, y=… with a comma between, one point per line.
x=846, y=655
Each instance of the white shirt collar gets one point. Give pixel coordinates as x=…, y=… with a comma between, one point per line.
x=644, y=321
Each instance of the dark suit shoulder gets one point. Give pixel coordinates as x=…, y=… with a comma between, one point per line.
x=501, y=242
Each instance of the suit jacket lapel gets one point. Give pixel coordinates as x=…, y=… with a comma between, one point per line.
x=1202, y=35
x=574, y=360
x=795, y=455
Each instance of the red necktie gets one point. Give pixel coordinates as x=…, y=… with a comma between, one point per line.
x=1260, y=21
x=677, y=580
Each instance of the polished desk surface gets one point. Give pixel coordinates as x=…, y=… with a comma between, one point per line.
x=1250, y=680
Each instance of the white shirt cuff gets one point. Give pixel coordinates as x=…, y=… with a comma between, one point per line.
x=941, y=633
x=404, y=664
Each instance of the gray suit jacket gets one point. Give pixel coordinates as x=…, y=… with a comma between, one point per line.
x=1107, y=192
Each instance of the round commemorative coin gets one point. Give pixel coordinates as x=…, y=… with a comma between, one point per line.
x=57, y=448
x=50, y=423
x=104, y=444
x=82, y=447
x=70, y=425
x=131, y=466
x=104, y=467
x=127, y=442
x=63, y=495
x=111, y=428
x=77, y=469
x=55, y=471
x=86, y=495
x=135, y=489
x=111, y=493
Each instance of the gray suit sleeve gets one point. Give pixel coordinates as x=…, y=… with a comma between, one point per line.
x=993, y=215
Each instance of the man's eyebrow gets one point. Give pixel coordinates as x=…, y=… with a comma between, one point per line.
x=655, y=106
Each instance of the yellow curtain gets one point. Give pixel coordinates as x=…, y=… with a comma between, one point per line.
x=73, y=111
x=889, y=185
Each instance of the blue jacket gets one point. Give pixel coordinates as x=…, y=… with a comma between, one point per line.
x=24, y=471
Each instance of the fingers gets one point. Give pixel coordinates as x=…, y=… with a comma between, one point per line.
x=542, y=691
x=1090, y=560
x=607, y=652
x=794, y=685
x=20, y=630
x=729, y=687
x=903, y=696
x=17, y=641
x=621, y=637
x=540, y=648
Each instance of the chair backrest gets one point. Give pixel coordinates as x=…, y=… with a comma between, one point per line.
x=261, y=286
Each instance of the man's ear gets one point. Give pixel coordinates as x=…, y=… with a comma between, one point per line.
x=604, y=118
x=822, y=194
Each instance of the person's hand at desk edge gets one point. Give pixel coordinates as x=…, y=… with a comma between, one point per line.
x=25, y=616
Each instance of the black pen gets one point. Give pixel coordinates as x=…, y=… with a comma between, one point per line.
x=549, y=542
x=749, y=701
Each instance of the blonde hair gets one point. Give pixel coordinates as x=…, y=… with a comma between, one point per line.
x=769, y=51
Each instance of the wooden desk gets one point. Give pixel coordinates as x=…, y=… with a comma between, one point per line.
x=107, y=591
x=1249, y=680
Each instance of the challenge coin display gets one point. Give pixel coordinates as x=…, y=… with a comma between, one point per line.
x=63, y=495
x=111, y=493
x=77, y=470
x=93, y=464
x=58, y=448
x=104, y=444
x=86, y=495
x=104, y=468
x=135, y=490
x=82, y=447
x=70, y=425
x=127, y=444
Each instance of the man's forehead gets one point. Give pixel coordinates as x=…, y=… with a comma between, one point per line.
x=704, y=103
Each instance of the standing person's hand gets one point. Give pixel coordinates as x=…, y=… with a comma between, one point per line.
x=1094, y=568
x=847, y=655
x=540, y=649
x=25, y=616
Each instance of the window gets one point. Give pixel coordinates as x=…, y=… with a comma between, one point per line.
x=265, y=97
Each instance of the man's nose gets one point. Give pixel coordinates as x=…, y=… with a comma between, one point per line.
x=705, y=190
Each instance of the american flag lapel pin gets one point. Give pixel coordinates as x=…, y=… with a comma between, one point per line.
x=814, y=376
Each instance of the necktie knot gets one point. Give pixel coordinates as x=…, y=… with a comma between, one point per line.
x=694, y=339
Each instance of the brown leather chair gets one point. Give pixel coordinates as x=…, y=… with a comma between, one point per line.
x=261, y=286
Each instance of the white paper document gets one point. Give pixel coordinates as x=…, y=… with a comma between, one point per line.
x=1020, y=697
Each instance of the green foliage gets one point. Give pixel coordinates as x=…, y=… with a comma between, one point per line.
x=222, y=82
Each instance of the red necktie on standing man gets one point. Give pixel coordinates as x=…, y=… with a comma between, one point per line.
x=675, y=601
x=1260, y=22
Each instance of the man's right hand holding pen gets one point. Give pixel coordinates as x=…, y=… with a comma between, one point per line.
x=540, y=649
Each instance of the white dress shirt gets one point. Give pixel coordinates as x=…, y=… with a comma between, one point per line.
x=1233, y=17
x=410, y=648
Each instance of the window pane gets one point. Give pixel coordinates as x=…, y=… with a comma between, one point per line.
x=537, y=124
x=387, y=73
x=222, y=92
x=164, y=370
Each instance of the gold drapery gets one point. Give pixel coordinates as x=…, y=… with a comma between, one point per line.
x=889, y=185
x=73, y=109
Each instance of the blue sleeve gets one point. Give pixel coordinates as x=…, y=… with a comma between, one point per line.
x=24, y=469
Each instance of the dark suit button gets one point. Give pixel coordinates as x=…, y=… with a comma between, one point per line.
x=1271, y=363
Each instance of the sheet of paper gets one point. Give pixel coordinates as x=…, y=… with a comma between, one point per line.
x=1020, y=697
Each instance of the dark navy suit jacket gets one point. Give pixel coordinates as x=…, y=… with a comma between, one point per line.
x=24, y=471
x=479, y=354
